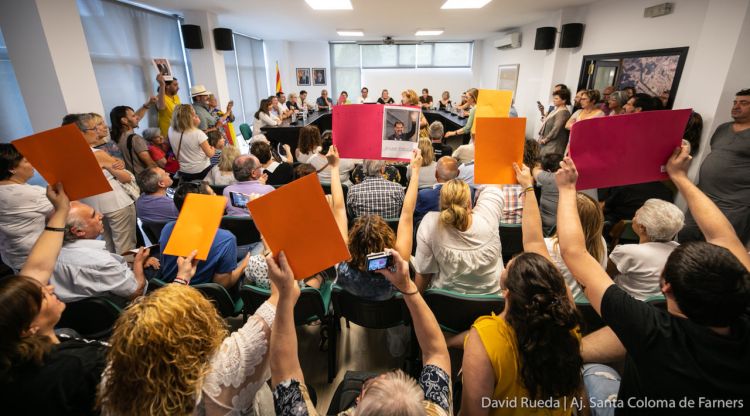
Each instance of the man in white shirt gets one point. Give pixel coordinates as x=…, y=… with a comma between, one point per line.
x=86, y=269
x=276, y=110
x=281, y=106
x=363, y=98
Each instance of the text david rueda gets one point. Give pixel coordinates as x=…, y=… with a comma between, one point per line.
x=632, y=403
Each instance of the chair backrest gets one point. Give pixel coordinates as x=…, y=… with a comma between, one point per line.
x=375, y=314
x=243, y=228
x=92, y=318
x=327, y=189
x=393, y=223
x=153, y=230
x=220, y=298
x=511, y=239
x=456, y=312
x=622, y=233
x=218, y=189
x=591, y=321
x=312, y=304
x=658, y=301
x=245, y=131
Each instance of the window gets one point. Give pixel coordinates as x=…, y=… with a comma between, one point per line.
x=122, y=40
x=15, y=122
x=346, y=73
x=246, y=76
x=424, y=55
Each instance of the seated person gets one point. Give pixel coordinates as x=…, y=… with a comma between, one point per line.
x=279, y=173
x=371, y=234
x=308, y=144
x=436, y=133
x=160, y=151
x=154, y=205
x=429, y=166
x=696, y=348
x=217, y=141
x=385, y=98
x=429, y=199
x=210, y=371
x=637, y=268
x=324, y=102
x=532, y=349
x=591, y=218
x=323, y=168
x=466, y=172
x=256, y=272
x=513, y=208
x=392, y=393
x=222, y=174
x=425, y=100
x=250, y=180
x=544, y=176
x=375, y=194
x=221, y=264
x=459, y=247
x=622, y=201
x=85, y=268
x=389, y=173
x=41, y=372
x=465, y=152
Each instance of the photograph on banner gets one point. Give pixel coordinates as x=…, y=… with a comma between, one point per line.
x=400, y=131
x=162, y=66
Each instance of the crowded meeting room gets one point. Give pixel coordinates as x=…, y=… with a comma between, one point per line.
x=375, y=207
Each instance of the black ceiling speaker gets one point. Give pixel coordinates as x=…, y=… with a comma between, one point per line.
x=545, y=38
x=223, y=39
x=571, y=35
x=191, y=36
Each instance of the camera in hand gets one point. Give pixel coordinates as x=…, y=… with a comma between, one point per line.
x=379, y=261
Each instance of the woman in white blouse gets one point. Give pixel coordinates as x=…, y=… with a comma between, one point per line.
x=172, y=354
x=263, y=118
x=458, y=248
x=23, y=207
x=190, y=144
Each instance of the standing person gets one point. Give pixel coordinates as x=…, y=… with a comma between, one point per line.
x=117, y=205
x=606, y=92
x=385, y=98
x=425, y=100
x=23, y=207
x=134, y=148
x=553, y=136
x=190, y=144
x=556, y=88
x=363, y=98
x=166, y=101
x=206, y=121
x=724, y=173
x=472, y=95
x=588, y=101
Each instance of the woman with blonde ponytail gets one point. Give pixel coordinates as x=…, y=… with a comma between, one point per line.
x=458, y=248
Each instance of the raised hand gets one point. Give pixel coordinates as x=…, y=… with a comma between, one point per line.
x=160, y=78
x=398, y=275
x=523, y=175
x=416, y=159
x=567, y=175
x=333, y=156
x=679, y=162
x=281, y=275
x=57, y=196
x=186, y=266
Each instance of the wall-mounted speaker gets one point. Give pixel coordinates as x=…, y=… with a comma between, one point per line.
x=545, y=38
x=571, y=35
x=191, y=37
x=223, y=39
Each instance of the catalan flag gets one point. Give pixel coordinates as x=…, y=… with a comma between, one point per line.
x=278, y=78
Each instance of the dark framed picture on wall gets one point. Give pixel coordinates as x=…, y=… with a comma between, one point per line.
x=656, y=72
x=319, y=76
x=303, y=76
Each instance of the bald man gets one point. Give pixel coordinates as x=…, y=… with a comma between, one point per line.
x=429, y=199
x=248, y=171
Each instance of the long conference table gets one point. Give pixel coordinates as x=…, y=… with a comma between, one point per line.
x=288, y=131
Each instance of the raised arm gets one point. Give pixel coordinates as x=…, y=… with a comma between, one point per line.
x=592, y=278
x=712, y=222
x=141, y=111
x=429, y=336
x=533, y=238
x=337, y=193
x=405, y=233
x=160, y=104
x=43, y=256
x=284, y=359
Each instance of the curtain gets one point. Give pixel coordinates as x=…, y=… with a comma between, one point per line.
x=14, y=123
x=246, y=76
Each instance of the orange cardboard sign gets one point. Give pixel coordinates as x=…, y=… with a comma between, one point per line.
x=196, y=226
x=498, y=143
x=62, y=155
x=492, y=103
x=297, y=220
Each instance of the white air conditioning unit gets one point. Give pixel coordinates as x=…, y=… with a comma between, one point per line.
x=509, y=41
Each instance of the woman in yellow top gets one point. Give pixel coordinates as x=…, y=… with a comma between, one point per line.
x=589, y=109
x=527, y=360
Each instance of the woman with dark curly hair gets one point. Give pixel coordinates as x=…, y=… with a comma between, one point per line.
x=531, y=351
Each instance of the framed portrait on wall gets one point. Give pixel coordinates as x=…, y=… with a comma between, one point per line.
x=319, y=76
x=303, y=76
x=507, y=77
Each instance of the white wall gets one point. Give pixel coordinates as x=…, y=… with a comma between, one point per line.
x=292, y=55
x=436, y=80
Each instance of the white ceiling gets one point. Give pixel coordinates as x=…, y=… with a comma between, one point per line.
x=294, y=20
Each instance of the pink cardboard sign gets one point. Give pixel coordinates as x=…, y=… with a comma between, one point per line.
x=357, y=130
x=626, y=149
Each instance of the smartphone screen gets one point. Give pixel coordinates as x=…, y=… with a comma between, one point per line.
x=238, y=200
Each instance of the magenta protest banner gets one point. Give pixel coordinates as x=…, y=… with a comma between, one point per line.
x=375, y=131
x=625, y=149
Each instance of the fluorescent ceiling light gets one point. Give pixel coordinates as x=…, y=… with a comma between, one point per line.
x=350, y=32
x=433, y=32
x=464, y=4
x=330, y=4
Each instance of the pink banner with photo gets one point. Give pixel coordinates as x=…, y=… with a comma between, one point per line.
x=357, y=130
x=626, y=149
